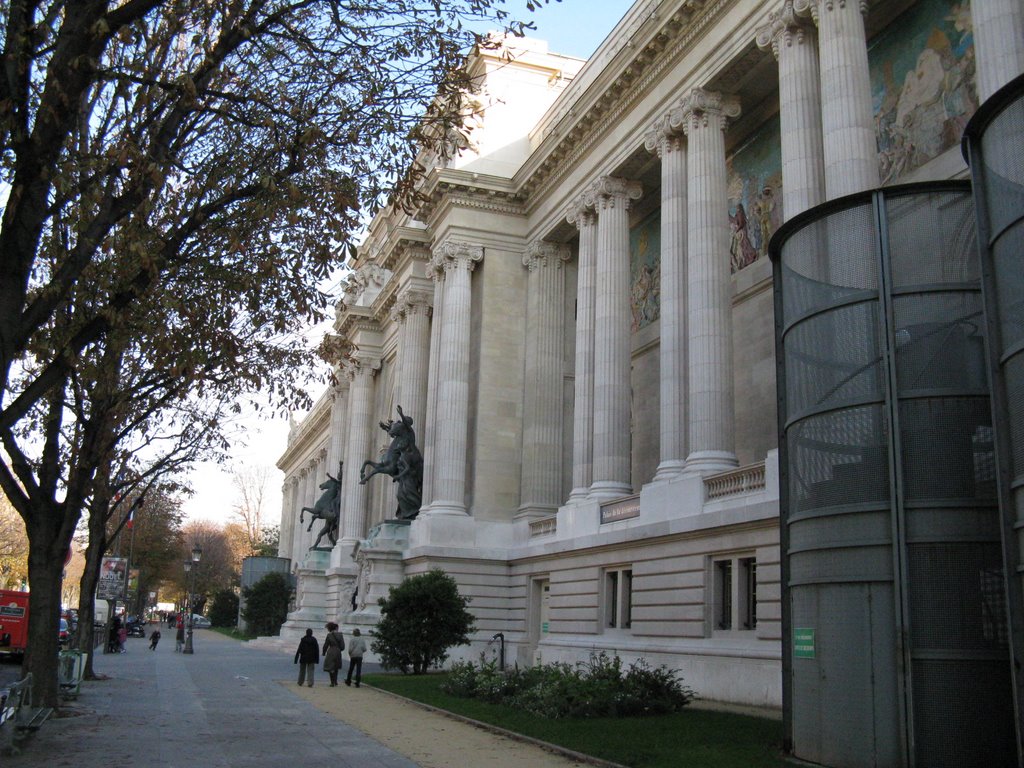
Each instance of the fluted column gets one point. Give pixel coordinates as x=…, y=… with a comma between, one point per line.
x=339, y=417
x=360, y=370
x=584, y=217
x=288, y=513
x=794, y=43
x=452, y=416
x=998, y=43
x=704, y=118
x=429, y=432
x=307, y=498
x=542, y=401
x=670, y=145
x=612, y=393
x=414, y=355
x=847, y=116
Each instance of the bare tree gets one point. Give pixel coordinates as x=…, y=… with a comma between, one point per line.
x=249, y=508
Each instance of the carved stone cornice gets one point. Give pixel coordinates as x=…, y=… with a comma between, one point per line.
x=406, y=248
x=698, y=107
x=468, y=190
x=455, y=254
x=784, y=29
x=585, y=125
x=541, y=253
x=354, y=320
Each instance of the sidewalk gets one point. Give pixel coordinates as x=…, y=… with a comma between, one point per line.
x=233, y=706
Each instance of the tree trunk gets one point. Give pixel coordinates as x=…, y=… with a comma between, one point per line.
x=98, y=515
x=49, y=538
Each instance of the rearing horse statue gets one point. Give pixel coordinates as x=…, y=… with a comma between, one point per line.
x=327, y=508
x=403, y=462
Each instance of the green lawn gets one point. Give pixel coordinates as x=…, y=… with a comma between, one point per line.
x=694, y=738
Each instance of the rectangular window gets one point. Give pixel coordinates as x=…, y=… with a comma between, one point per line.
x=733, y=602
x=618, y=598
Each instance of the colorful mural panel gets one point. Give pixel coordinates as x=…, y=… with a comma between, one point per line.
x=755, y=195
x=922, y=84
x=645, y=271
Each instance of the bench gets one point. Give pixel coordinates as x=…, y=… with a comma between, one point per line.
x=17, y=715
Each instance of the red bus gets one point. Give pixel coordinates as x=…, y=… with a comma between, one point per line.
x=13, y=621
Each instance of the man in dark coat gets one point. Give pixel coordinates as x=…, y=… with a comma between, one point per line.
x=307, y=657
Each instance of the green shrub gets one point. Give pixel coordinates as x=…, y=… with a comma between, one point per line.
x=421, y=619
x=224, y=608
x=595, y=688
x=266, y=604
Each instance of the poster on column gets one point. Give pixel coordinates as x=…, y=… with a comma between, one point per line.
x=113, y=575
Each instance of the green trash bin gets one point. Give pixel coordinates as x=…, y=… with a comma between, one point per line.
x=70, y=669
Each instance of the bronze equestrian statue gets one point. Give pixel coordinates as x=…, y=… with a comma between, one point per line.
x=327, y=508
x=403, y=462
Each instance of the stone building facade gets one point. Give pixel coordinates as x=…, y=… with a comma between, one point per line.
x=579, y=320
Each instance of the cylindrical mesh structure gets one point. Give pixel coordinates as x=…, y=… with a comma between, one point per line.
x=994, y=147
x=895, y=648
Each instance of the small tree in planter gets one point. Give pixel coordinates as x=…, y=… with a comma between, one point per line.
x=421, y=619
x=266, y=604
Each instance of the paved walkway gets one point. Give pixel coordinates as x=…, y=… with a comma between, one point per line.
x=233, y=706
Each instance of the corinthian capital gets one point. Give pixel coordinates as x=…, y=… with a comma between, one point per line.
x=785, y=27
x=612, y=191
x=662, y=136
x=702, y=109
x=541, y=253
x=453, y=254
x=581, y=213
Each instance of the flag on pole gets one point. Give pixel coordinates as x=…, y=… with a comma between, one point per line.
x=131, y=519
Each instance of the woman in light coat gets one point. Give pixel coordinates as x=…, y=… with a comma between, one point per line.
x=334, y=644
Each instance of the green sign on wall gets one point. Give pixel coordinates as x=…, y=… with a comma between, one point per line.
x=803, y=643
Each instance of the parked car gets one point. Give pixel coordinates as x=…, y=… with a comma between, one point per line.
x=64, y=635
x=200, y=622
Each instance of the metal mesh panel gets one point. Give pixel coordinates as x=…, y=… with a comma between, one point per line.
x=1004, y=167
x=957, y=598
x=828, y=261
x=1013, y=373
x=834, y=359
x=960, y=714
x=932, y=239
x=1008, y=258
x=946, y=449
x=940, y=344
x=838, y=458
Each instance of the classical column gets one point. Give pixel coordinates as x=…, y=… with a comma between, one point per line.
x=288, y=512
x=339, y=417
x=998, y=43
x=360, y=370
x=413, y=312
x=428, y=432
x=794, y=43
x=704, y=118
x=452, y=415
x=847, y=116
x=612, y=391
x=542, y=402
x=306, y=498
x=670, y=145
x=585, y=218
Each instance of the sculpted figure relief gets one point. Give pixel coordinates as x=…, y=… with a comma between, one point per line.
x=403, y=462
x=327, y=508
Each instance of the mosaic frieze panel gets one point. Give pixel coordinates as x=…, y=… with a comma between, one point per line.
x=645, y=271
x=922, y=84
x=755, y=195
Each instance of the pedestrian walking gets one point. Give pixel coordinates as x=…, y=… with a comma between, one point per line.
x=334, y=644
x=307, y=657
x=356, y=649
x=179, y=637
x=122, y=638
x=154, y=638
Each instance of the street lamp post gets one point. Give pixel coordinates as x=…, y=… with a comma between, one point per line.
x=191, y=566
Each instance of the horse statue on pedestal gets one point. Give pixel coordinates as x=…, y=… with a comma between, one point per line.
x=403, y=462
x=327, y=508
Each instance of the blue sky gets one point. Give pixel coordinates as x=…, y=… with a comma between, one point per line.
x=573, y=27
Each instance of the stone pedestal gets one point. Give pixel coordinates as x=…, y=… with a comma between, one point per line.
x=311, y=587
x=379, y=561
